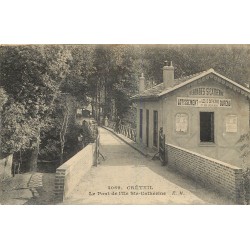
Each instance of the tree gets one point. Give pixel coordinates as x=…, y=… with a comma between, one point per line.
x=28, y=79
x=34, y=79
x=80, y=67
x=54, y=134
x=3, y=98
x=73, y=89
x=244, y=143
x=113, y=79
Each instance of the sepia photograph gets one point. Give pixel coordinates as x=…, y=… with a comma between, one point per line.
x=125, y=124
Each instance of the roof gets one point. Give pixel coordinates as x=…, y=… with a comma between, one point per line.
x=158, y=90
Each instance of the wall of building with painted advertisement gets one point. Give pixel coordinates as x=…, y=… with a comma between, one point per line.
x=207, y=118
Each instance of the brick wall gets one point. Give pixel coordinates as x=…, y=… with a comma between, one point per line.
x=70, y=173
x=220, y=176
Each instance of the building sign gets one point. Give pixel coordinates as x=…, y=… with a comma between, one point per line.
x=231, y=123
x=206, y=92
x=181, y=123
x=203, y=102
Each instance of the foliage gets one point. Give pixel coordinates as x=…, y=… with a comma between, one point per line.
x=246, y=185
x=229, y=60
x=71, y=145
x=79, y=69
x=53, y=135
x=35, y=80
x=117, y=68
x=24, y=77
x=16, y=130
x=113, y=78
x=3, y=98
x=31, y=76
x=50, y=150
x=244, y=143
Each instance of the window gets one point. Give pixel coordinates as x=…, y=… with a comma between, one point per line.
x=207, y=126
x=155, y=131
x=141, y=121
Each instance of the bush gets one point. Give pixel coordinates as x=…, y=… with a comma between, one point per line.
x=51, y=150
x=246, y=182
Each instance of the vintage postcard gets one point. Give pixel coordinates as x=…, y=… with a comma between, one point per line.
x=124, y=124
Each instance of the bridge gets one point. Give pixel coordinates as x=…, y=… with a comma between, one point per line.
x=126, y=176
x=123, y=174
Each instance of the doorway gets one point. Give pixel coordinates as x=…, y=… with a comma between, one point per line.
x=206, y=126
x=155, y=131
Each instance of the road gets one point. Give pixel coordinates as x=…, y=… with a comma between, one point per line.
x=127, y=177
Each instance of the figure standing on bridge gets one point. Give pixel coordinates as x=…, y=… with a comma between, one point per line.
x=80, y=141
x=117, y=124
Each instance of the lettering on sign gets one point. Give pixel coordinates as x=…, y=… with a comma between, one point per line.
x=181, y=123
x=204, y=102
x=231, y=123
x=206, y=91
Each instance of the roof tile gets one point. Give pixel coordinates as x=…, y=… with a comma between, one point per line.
x=159, y=90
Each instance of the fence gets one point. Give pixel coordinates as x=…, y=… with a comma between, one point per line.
x=111, y=125
x=128, y=132
x=124, y=130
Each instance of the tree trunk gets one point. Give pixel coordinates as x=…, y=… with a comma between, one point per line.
x=32, y=158
x=93, y=106
x=99, y=106
x=64, y=130
x=32, y=153
x=96, y=103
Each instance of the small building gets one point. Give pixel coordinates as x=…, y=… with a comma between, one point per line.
x=205, y=113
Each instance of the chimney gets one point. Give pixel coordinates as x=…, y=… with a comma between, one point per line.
x=168, y=75
x=141, y=83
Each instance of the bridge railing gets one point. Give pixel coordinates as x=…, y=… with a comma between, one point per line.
x=125, y=130
x=128, y=132
x=111, y=125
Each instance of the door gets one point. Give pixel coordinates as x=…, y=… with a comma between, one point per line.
x=155, y=131
x=141, y=121
x=206, y=127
